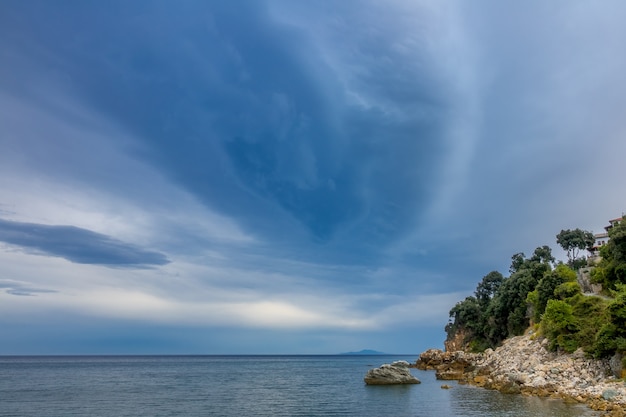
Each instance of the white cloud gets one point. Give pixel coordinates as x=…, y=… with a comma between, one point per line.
x=192, y=295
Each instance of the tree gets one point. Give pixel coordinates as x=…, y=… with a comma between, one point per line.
x=517, y=261
x=573, y=241
x=616, y=246
x=612, y=269
x=507, y=310
x=612, y=335
x=487, y=288
x=560, y=326
x=543, y=255
x=546, y=287
x=465, y=316
x=507, y=313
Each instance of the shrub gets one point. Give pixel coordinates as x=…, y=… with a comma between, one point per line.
x=605, y=343
x=567, y=290
x=558, y=323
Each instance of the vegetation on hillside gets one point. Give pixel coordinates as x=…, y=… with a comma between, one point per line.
x=546, y=294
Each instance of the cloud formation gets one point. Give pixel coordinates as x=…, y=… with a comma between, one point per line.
x=77, y=245
x=316, y=176
x=20, y=288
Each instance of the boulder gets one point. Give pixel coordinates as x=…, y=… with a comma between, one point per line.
x=391, y=374
x=616, y=365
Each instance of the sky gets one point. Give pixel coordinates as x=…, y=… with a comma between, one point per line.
x=279, y=176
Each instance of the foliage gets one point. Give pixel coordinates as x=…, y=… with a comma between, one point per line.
x=573, y=241
x=466, y=314
x=499, y=308
x=612, y=269
x=488, y=287
x=538, y=291
x=546, y=287
x=605, y=343
x=617, y=309
x=609, y=322
x=517, y=261
x=566, y=290
x=510, y=303
x=575, y=321
x=559, y=325
x=591, y=313
x=576, y=264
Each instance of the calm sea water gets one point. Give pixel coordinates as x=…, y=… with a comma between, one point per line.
x=116, y=386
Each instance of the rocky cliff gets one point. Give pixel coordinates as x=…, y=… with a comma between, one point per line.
x=523, y=365
x=457, y=341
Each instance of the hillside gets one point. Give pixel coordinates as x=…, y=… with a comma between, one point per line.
x=547, y=296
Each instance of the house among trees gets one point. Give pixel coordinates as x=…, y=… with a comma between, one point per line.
x=601, y=239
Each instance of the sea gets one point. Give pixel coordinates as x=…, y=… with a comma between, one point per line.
x=320, y=385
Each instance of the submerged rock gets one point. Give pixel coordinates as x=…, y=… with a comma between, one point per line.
x=396, y=373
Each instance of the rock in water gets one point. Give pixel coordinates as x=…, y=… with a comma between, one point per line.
x=396, y=373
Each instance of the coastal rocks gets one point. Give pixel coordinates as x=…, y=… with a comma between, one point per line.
x=458, y=341
x=523, y=365
x=447, y=365
x=396, y=373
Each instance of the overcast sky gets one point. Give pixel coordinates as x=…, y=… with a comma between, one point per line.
x=291, y=176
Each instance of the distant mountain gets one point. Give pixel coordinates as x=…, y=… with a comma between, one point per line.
x=365, y=352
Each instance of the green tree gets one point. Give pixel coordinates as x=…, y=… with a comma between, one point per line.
x=543, y=255
x=612, y=269
x=517, y=261
x=507, y=313
x=573, y=241
x=488, y=287
x=591, y=314
x=465, y=316
x=560, y=326
x=508, y=308
x=547, y=285
x=612, y=336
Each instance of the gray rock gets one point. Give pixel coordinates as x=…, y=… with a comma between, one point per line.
x=390, y=375
x=401, y=364
x=609, y=394
x=616, y=365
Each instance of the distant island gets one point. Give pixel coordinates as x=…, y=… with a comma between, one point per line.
x=364, y=352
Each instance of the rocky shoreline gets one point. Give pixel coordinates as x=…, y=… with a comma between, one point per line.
x=523, y=365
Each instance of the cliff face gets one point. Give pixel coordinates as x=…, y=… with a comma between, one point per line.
x=457, y=341
x=524, y=365
x=583, y=277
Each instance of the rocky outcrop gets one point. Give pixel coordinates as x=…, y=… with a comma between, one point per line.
x=396, y=373
x=457, y=341
x=447, y=365
x=523, y=365
x=615, y=363
x=583, y=277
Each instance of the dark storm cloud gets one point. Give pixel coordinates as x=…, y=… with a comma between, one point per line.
x=245, y=113
x=353, y=163
x=77, y=245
